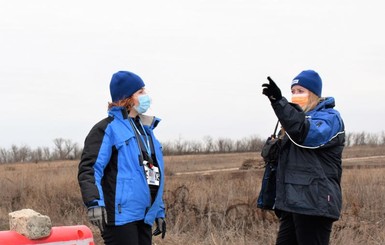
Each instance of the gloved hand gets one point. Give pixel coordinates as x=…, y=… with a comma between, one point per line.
x=271, y=90
x=160, y=227
x=97, y=216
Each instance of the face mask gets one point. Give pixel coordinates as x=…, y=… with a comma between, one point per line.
x=300, y=99
x=144, y=104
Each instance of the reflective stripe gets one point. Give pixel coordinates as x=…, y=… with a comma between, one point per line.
x=313, y=147
x=87, y=241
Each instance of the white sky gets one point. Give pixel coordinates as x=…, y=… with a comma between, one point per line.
x=203, y=63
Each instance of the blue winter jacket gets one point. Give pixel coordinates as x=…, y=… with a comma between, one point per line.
x=309, y=166
x=111, y=174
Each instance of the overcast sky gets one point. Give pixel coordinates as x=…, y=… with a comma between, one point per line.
x=203, y=63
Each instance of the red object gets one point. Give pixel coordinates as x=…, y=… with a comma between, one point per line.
x=60, y=235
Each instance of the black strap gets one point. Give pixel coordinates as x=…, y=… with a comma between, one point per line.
x=275, y=130
x=142, y=148
x=141, y=158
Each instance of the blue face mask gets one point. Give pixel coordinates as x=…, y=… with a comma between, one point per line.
x=144, y=104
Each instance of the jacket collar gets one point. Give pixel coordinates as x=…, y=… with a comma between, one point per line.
x=327, y=102
x=122, y=114
x=118, y=112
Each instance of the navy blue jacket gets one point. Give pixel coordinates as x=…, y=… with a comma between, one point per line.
x=110, y=173
x=309, y=167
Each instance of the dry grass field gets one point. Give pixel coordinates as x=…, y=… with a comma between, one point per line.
x=209, y=199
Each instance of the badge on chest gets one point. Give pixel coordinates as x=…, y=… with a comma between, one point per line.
x=152, y=173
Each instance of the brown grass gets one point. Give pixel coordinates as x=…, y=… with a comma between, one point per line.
x=214, y=208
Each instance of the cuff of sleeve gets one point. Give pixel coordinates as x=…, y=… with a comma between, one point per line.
x=92, y=203
x=282, y=102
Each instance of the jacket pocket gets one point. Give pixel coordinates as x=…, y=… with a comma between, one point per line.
x=127, y=168
x=128, y=156
x=124, y=193
x=330, y=198
x=301, y=191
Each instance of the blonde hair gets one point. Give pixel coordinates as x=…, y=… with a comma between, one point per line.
x=128, y=103
x=312, y=102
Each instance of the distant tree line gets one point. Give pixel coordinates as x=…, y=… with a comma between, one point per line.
x=66, y=149
x=210, y=145
x=362, y=138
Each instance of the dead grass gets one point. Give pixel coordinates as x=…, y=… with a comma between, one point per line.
x=213, y=209
x=363, y=151
x=191, y=163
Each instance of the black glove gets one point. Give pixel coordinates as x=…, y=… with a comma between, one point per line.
x=271, y=90
x=160, y=227
x=97, y=216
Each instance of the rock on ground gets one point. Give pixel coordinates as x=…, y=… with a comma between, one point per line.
x=30, y=223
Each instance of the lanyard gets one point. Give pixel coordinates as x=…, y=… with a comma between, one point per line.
x=147, y=143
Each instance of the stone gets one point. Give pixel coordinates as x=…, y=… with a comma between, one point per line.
x=30, y=224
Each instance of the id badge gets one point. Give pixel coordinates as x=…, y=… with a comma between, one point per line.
x=152, y=175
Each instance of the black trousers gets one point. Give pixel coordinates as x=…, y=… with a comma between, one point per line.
x=299, y=229
x=134, y=233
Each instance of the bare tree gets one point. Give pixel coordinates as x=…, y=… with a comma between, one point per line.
x=256, y=143
x=372, y=139
x=228, y=145
x=77, y=151
x=37, y=155
x=242, y=145
x=59, y=150
x=180, y=146
x=4, y=156
x=69, y=147
x=359, y=139
x=196, y=146
x=47, y=154
x=192, y=146
x=167, y=148
x=15, y=155
x=64, y=148
x=349, y=139
x=382, y=140
x=209, y=145
x=25, y=153
x=224, y=145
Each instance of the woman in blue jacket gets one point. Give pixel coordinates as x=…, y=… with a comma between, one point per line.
x=121, y=172
x=308, y=195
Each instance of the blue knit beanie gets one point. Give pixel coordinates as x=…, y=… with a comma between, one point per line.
x=310, y=80
x=124, y=84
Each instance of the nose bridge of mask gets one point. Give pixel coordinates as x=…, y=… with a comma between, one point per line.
x=300, y=95
x=144, y=99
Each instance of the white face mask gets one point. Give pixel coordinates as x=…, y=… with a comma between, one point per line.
x=300, y=99
x=144, y=103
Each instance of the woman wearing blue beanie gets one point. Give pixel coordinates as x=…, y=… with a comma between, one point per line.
x=308, y=191
x=121, y=172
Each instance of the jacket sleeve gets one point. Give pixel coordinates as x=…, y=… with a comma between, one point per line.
x=311, y=130
x=162, y=211
x=292, y=119
x=96, y=155
x=324, y=125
